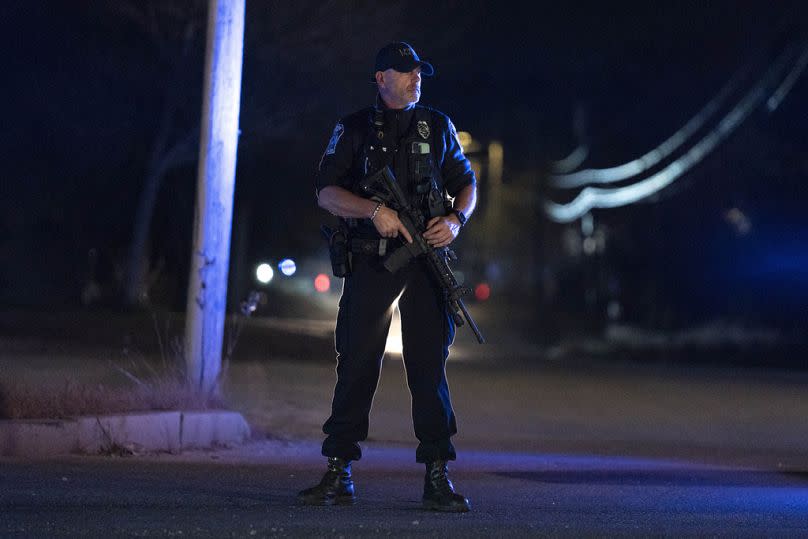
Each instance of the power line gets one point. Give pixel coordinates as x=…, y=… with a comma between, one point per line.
x=596, y=197
x=655, y=156
x=788, y=83
x=574, y=160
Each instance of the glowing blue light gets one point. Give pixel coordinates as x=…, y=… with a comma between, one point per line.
x=287, y=266
x=264, y=273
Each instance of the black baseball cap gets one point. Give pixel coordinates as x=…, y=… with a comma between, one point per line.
x=403, y=58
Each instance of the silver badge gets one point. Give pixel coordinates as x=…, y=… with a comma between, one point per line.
x=423, y=129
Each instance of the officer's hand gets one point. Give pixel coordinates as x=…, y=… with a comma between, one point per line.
x=389, y=225
x=441, y=231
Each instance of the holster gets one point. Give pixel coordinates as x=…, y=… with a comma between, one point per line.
x=338, y=249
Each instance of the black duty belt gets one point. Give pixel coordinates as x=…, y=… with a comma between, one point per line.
x=369, y=247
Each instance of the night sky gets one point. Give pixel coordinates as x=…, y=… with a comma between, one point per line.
x=89, y=87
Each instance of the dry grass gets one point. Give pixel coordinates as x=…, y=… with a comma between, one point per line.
x=71, y=398
x=149, y=385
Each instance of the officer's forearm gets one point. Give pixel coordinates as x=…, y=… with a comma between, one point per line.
x=343, y=203
x=466, y=200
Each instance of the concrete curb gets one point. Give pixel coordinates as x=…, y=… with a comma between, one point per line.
x=138, y=432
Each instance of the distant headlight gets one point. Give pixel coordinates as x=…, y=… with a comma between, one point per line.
x=287, y=267
x=264, y=273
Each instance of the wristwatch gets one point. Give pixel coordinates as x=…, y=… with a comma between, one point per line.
x=460, y=217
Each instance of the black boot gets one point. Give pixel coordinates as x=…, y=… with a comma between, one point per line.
x=439, y=493
x=335, y=488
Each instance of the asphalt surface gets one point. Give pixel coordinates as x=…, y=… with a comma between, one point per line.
x=547, y=447
x=251, y=492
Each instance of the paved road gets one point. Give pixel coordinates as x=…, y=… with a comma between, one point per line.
x=250, y=492
x=569, y=448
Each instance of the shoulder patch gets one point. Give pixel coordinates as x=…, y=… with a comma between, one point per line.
x=339, y=129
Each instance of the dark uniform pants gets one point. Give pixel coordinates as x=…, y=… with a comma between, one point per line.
x=365, y=312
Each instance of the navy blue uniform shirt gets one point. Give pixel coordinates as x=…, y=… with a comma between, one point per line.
x=342, y=162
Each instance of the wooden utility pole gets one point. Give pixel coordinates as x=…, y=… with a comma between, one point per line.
x=207, y=288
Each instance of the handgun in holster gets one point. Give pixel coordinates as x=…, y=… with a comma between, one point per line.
x=338, y=250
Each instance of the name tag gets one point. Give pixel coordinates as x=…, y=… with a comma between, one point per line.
x=420, y=148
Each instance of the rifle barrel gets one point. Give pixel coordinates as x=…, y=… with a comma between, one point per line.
x=470, y=320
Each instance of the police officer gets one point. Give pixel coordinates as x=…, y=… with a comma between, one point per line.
x=420, y=145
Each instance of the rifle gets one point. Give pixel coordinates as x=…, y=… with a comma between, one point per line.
x=383, y=187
